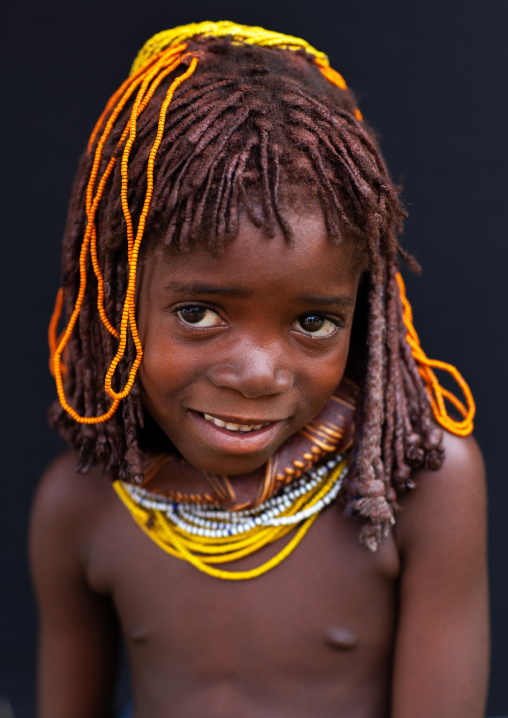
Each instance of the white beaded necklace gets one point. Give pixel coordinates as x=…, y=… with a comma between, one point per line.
x=216, y=522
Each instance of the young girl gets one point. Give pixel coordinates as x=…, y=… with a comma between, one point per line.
x=240, y=382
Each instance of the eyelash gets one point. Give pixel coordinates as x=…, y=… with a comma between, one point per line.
x=312, y=335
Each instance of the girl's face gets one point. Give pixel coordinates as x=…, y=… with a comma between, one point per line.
x=242, y=351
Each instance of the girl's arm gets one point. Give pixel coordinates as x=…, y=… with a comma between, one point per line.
x=442, y=644
x=78, y=638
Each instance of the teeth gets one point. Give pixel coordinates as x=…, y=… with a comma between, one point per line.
x=217, y=422
x=232, y=427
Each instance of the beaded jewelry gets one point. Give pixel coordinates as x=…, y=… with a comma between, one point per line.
x=437, y=393
x=210, y=535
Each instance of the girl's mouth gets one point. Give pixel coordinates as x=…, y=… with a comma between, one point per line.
x=240, y=436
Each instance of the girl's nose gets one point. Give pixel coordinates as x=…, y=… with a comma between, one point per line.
x=254, y=372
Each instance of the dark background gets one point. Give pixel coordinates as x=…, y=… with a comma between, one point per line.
x=430, y=77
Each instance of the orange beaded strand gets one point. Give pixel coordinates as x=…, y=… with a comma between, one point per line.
x=128, y=314
x=136, y=110
x=143, y=77
x=336, y=79
x=53, y=325
x=91, y=208
x=141, y=71
x=437, y=393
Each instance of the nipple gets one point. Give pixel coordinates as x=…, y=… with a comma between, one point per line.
x=341, y=639
x=138, y=635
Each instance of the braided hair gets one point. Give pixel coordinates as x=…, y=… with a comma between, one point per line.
x=250, y=127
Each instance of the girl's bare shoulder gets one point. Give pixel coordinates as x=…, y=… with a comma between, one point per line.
x=66, y=502
x=447, y=504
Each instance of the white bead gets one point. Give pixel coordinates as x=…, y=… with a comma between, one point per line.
x=215, y=522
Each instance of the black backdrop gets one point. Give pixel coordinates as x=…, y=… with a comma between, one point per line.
x=430, y=76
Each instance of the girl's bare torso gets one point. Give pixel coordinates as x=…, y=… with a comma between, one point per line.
x=332, y=631
x=312, y=635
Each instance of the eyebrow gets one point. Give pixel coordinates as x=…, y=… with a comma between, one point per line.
x=199, y=288
x=341, y=300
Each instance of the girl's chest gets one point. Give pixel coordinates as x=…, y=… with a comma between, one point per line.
x=329, y=600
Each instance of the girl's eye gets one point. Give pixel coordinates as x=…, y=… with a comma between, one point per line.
x=197, y=316
x=315, y=325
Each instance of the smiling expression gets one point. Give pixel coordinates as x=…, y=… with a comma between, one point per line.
x=243, y=350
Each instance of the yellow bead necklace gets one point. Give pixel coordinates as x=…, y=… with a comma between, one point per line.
x=204, y=536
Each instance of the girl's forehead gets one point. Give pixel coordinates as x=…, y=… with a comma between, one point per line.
x=253, y=256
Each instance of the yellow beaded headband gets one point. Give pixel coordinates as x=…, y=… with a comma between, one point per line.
x=239, y=34
x=224, y=28
x=159, y=57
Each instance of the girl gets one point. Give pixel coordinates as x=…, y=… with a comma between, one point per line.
x=239, y=359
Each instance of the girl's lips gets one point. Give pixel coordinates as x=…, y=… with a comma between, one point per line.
x=233, y=442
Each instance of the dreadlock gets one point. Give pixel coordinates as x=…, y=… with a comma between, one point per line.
x=214, y=120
